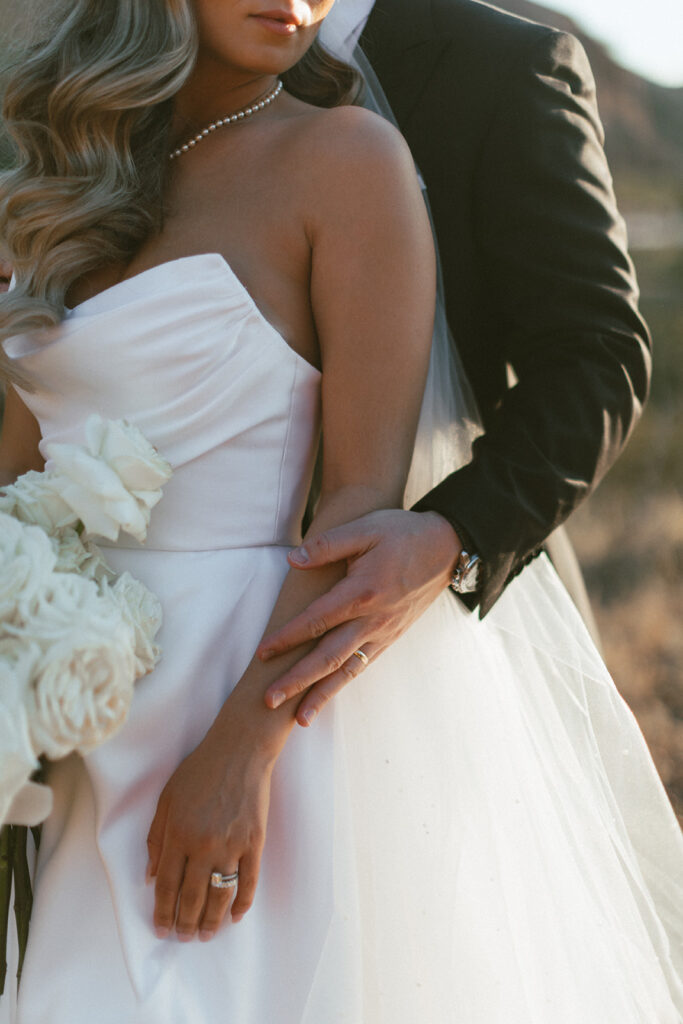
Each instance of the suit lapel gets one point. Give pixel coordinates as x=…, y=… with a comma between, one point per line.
x=401, y=43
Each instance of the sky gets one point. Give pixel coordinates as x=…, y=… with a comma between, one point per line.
x=645, y=35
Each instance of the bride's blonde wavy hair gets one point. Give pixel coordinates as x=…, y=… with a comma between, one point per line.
x=89, y=110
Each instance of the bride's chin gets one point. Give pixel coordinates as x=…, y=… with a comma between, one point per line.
x=258, y=60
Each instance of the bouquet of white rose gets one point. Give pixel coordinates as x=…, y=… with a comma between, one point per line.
x=74, y=636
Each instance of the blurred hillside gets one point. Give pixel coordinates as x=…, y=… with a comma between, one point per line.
x=644, y=120
x=644, y=134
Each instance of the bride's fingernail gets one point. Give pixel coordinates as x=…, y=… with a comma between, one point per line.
x=236, y=918
x=309, y=715
x=204, y=936
x=299, y=555
x=162, y=933
x=276, y=699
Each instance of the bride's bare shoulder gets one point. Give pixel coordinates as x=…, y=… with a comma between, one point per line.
x=345, y=139
x=346, y=155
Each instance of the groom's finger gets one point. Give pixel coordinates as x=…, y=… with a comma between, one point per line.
x=333, y=654
x=334, y=545
x=346, y=600
x=315, y=699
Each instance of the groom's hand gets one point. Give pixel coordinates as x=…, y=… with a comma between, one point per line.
x=397, y=564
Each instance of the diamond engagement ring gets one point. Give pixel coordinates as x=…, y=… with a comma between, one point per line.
x=362, y=656
x=219, y=881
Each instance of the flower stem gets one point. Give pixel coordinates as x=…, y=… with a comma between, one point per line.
x=7, y=841
x=23, y=895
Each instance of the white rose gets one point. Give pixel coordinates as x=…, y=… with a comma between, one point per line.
x=26, y=564
x=34, y=498
x=82, y=557
x=128, y=452
x=17, y=757
x=21, y=655
x=83, y=684
x=96, y=494
x=141, y=611
x=67, y=603
x=114, y=483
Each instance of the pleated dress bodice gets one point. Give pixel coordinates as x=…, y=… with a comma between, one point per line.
x=182, y=352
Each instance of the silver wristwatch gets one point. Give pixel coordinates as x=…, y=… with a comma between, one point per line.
x=465, y=578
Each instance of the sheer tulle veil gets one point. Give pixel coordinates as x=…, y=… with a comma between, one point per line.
x=449, y=420
x=610, y=840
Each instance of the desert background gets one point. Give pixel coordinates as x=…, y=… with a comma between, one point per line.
x=629, y=534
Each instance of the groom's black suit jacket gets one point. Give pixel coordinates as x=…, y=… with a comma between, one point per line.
x=501, y=117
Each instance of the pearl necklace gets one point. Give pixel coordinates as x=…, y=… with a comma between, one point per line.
x=241, y=115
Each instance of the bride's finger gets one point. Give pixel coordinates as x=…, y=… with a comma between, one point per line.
x=155, y=837
x=193, y=898
x=168, y=883
x=217, y=904
x=317, y=697
x=329, y=656
x=346, y=600
x=246, y=886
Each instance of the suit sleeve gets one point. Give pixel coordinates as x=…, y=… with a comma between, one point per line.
x=553, y=248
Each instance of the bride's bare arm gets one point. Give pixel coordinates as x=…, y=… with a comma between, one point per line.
x=19, y=440
x=372, y=293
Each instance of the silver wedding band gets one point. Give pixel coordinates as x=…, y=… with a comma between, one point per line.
x=219, y=881
x=362, y=656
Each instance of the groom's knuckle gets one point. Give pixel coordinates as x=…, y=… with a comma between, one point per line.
x=323, y=699
x=294, y=687
x=382, y=623
x=317, y=626
x=333, y=662
x=349, y=668
x=366, y=597
x=317, y=545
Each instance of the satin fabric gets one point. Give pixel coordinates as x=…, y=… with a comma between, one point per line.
x=473, y=832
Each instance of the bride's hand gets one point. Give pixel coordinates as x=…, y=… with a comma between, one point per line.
x=211, y=816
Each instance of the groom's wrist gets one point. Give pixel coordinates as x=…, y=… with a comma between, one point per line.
x=445, y=543
x=466, y=569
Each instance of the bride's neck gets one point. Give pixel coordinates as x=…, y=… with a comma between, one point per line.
x=215, y=90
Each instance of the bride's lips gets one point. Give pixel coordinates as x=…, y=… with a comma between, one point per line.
x=281, y=22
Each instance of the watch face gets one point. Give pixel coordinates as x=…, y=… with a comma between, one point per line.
x=470, y=578
x=466, y=577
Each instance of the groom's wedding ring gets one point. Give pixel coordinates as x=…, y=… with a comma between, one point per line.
x=362, y=656
x=219, y=881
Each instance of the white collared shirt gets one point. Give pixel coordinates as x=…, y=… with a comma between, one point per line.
x=344, y=25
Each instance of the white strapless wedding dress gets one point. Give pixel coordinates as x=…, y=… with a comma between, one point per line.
x=473, y=833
